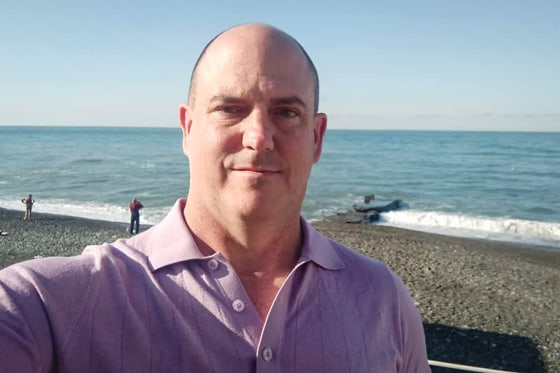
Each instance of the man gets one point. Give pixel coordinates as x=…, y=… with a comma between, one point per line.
x=232, y=280
x=135, y=207
x=28, y=201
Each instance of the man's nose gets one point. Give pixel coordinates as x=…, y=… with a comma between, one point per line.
x=258, y=132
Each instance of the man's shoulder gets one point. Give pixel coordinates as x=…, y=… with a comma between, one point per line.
x=122, y=253
x=93, y=259
x=74, y=281
x=364, y=278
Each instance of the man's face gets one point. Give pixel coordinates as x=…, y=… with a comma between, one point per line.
x=252, y=135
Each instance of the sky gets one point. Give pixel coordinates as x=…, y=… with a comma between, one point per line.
x=419, y=65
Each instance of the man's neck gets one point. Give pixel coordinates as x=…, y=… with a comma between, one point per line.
x=251, y=245
x=262, y=252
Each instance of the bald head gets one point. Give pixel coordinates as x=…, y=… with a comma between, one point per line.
x=254, y=36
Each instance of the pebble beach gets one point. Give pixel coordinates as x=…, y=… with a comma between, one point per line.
x=484, y=303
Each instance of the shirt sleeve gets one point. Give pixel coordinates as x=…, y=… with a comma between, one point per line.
x=414, y=355
x=25, y=337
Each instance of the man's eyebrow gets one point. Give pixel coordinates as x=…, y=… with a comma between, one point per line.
x=291, y=100
x=225, y=99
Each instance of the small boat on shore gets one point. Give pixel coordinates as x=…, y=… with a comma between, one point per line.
x=377, y=205
x=368, y=211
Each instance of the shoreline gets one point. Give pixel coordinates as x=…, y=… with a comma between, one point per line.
x=492, y=304
x=342, y=217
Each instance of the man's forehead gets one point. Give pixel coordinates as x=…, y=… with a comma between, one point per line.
x=241, y=66
x=273, y=90
x=259, y=52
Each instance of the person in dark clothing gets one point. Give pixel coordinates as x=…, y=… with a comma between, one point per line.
x=135, y=207
x=29, y=201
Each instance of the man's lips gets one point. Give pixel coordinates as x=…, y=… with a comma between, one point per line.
x=254, y=165
x=263, y=170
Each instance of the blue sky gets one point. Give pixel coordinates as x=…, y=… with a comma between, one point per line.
x=449, y=65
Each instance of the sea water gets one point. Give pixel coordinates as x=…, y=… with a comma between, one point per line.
x=493, y=185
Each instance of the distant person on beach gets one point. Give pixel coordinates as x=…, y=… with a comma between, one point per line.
x=135, y=207
x=28, y=201
x=234, y=279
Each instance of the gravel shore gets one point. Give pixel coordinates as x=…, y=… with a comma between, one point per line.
x=489, y=304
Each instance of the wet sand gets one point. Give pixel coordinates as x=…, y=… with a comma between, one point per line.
x=483, y=303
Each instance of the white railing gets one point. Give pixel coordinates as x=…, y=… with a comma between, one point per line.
x=467, y=368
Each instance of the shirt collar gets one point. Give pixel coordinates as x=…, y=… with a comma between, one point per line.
x=319, y=249
x=171, y=242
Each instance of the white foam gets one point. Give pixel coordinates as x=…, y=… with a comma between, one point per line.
x=516, y=230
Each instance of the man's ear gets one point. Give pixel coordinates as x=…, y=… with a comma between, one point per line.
x=320, y=127
x=185, y=122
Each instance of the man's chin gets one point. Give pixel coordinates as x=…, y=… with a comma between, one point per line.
x=253, y=208
x=256, y=208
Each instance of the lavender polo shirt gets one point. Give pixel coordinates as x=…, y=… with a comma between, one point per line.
x=153, y=303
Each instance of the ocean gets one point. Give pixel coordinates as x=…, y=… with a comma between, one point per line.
x=491, y=185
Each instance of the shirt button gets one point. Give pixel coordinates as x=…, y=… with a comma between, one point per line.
x=238, y=305
x=213, y=264
x=267, y=354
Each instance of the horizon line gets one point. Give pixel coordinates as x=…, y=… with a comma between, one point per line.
x=328, y=129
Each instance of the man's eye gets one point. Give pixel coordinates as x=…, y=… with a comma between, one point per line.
x=287, y=113
x=229, y=109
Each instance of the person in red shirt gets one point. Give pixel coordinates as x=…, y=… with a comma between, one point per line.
x=135, y=207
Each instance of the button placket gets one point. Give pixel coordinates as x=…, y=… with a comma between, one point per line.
x=240, y=312
x=270, y=351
